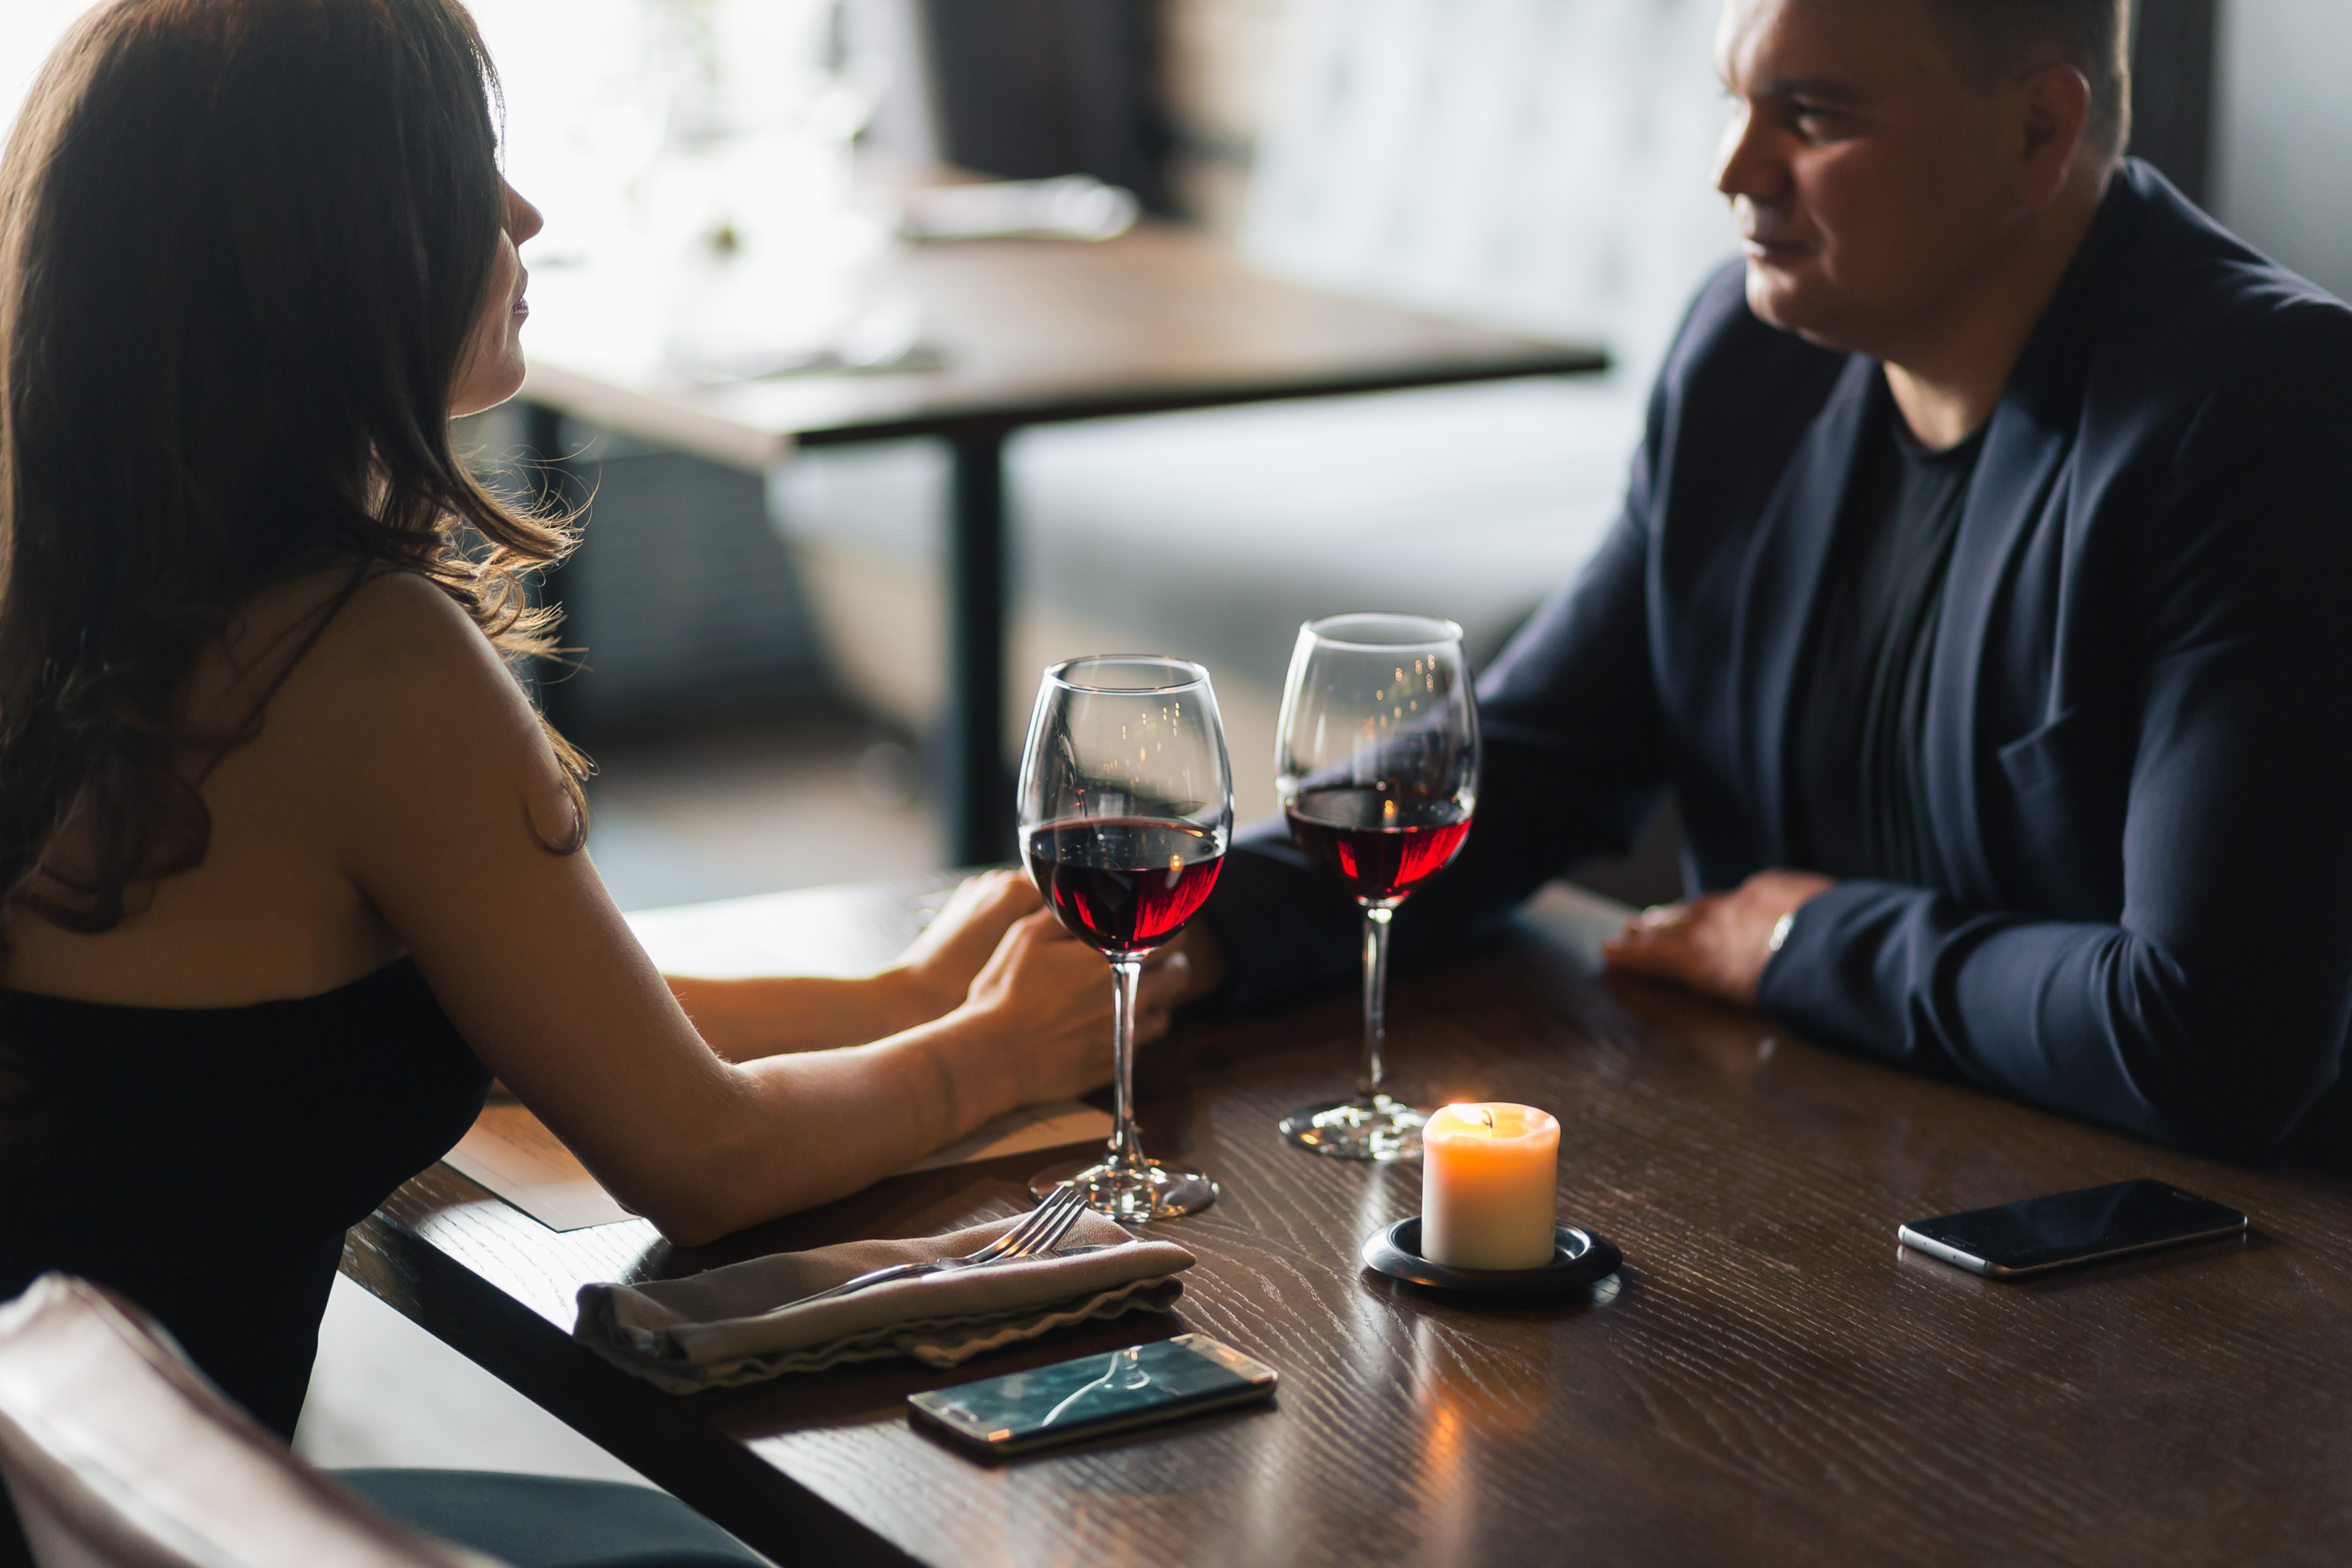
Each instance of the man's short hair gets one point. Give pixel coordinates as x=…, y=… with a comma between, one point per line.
x=1994, y=36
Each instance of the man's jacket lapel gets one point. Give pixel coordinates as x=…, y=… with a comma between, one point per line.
x=2021, y=463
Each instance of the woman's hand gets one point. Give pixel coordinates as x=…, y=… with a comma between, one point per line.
x=935, y=974
x=744, y=1020
x=1041, y=1009
x=1717, y=943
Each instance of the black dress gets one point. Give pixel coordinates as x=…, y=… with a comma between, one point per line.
x=207, y=1162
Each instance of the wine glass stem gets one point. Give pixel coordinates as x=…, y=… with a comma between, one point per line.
x=1376, y=1001
x=1125, y=1148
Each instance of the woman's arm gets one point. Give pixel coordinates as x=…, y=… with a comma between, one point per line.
x=446, y=794
x=744, y=1020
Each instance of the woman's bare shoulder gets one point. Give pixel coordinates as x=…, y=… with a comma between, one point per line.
x=390, y=616
x=397, y=686
x=389, y=632
x=380, y=621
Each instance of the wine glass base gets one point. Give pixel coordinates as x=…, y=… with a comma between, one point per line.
x=1376, y=1129
x=1155, y=1192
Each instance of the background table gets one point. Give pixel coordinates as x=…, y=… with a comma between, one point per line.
x=1770, y=1379
x=1033, y=332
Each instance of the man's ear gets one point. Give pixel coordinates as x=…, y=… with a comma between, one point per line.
x=2052, y=108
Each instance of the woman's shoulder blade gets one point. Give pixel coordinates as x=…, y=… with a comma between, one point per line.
x=396, y=637
x=402, y=618
x=398, y=687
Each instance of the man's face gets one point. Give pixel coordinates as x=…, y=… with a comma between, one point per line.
x=1871, y=184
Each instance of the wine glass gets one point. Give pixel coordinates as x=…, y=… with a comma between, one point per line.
x=1126, y=805
x=1377, y=764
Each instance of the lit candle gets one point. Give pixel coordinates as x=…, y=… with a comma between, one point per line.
x=1489, y=1178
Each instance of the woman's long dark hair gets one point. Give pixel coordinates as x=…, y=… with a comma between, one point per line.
x=244, y=246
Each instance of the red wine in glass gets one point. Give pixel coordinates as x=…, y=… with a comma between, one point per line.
x=1377, y=763
x=1126, y=805
x=1377, y=844
x=1124, y=884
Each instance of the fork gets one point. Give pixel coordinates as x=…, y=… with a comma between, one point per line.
x=1044, y=1224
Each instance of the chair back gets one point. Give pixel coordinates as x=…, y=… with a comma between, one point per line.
x=1544, y=165
x=118, y=1454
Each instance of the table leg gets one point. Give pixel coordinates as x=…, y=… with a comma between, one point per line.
x=978, y=791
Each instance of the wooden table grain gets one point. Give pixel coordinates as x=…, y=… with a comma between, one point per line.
x=1770, y=1379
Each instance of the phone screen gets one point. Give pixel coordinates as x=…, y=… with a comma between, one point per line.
x=1097, y=1394
x=2073, y=1228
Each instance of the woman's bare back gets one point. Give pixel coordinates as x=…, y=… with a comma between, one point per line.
x=274, y=912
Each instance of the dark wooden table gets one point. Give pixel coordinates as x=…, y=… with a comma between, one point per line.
x=1033, y=332
x=1770, y=1379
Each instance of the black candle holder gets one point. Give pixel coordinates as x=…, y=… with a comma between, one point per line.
x=1579, y=1258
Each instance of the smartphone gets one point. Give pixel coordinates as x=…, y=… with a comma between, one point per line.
x=2039, y=1234
x=1140, y=1386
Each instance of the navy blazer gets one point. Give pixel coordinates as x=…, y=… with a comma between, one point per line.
x=2138, y=724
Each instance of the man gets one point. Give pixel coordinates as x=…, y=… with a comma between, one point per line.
x=1984, y=594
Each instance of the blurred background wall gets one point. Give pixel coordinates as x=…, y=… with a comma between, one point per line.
x=2282, y=133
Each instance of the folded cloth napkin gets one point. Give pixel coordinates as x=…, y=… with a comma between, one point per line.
x=734, y=1325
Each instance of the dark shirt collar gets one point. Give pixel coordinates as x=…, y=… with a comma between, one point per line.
x=1960, y=454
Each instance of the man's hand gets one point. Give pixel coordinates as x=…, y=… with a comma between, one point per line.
x=1716, y=944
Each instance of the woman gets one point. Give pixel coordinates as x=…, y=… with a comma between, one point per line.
x=290, y=866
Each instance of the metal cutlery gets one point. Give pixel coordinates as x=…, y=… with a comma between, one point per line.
x=1032, y=1238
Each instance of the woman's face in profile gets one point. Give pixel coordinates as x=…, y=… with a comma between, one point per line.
x=493, y=367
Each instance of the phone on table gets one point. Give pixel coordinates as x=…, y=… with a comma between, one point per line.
x=1139, y=1386
x=2064, y=1229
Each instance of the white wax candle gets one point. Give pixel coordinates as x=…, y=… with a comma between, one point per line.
x=1489, y=1179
